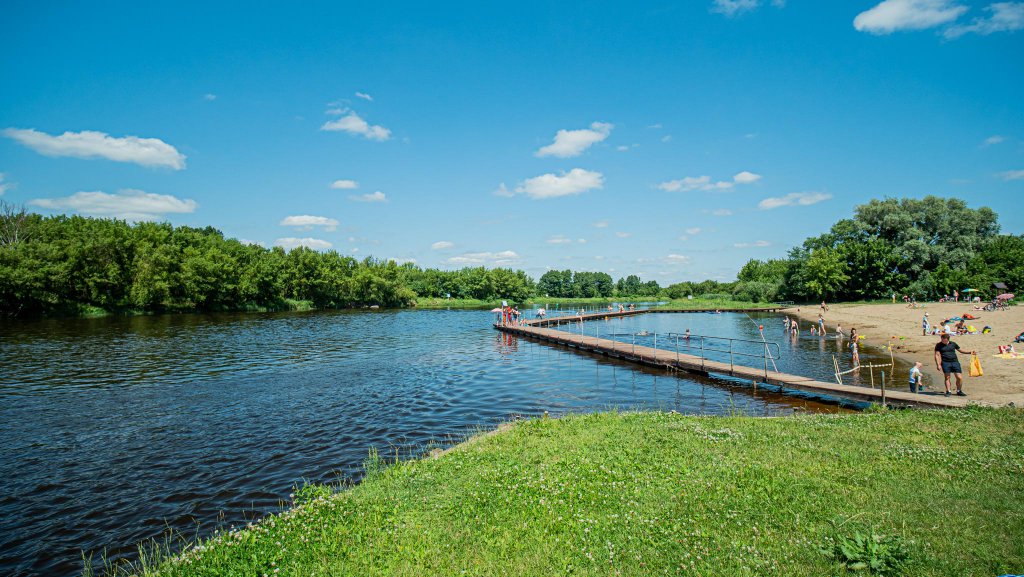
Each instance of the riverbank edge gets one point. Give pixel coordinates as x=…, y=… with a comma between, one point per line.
x=850, y=444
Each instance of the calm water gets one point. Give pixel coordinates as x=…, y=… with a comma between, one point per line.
x=114, y=430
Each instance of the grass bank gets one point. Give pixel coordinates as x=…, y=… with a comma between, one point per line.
x=660, y=493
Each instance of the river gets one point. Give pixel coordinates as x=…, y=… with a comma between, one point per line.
x=114, y=430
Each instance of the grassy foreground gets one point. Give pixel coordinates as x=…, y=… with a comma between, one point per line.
x=661, y=493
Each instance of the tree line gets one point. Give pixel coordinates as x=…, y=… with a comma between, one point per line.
x=71, y=264
x=68, y=264
x=923, y=248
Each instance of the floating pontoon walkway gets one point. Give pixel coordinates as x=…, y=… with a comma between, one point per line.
x=676, y=361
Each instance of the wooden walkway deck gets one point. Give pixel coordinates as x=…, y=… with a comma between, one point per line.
x=536, y=329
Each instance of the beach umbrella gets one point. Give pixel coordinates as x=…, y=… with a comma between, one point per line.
x=969, y=291
x=1005, y=296
x=496, y=310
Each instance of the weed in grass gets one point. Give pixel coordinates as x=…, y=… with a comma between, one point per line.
x=867, y=551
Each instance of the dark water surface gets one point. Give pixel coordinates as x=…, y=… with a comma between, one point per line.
x=114, y=430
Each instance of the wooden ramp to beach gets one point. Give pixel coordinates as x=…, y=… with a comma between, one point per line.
x=672, y=360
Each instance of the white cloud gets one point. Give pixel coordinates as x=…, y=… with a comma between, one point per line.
x=313, y=243
x=401, y=261
x=372, y=197
x=308, y=222
x=794, y=198
x=733, y=7
x=693, y=231
x=91, y=144
x=1012, y=175
x=503, y=258
x=441, y=245
x=353, y=124
x=502, y=190
x=364, y=96
x=4, y=186
x=623, y=234
x=601, y=224
x=746, y=177
x=677, y=259
x=549, y=185
x=1005, y=17
x=666, y=138
x=993, y=140
x=581, y=241
x=128, y=204
x=894, y=15
x=344, y=184
x=569, y=143
x=689, y=183
x=558, y=239
x=209, y=97
x=622, y=148
x=721, y=212
x=655, y=126
x=759, y=243
x=252, y=242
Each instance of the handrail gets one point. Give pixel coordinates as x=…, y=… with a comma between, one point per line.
x=766, y=355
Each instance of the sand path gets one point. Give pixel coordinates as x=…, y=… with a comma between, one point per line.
x=1003, y=381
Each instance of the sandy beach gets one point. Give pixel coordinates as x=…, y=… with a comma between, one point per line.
x=896, y=324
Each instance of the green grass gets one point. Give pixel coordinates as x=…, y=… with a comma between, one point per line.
x=712, y=304
x=926, y=492
x=590, y=303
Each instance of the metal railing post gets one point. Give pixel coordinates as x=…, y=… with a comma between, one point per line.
x=731, y=369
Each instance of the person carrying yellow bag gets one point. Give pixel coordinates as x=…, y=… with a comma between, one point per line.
x=976, y=366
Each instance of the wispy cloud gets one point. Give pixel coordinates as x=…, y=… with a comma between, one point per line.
x=601, y=224
x=895, y=15
x=314, y=243
x=994, y=140
x=307, y=222
x=364, y=96
x=569, y=143
x=4, y=186
x=731, y=8
x=209, y=97
x=689, y=183
x=149, y=152
x=794, y=199
x=755, y=244
x=377, y=196
x=344, y=184
x=442, y=245
x=576, y=181
x=721, y=212
x=352, y=123
x=623, y=234
x=558, y=239
x=1002, y=17
x=128, y=204
x=1012, y=175
x=693, y=231
x=503, y=258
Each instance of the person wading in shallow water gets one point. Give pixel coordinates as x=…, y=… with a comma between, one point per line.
x=947, y=362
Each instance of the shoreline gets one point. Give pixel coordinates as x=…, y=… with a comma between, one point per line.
x=899, y=326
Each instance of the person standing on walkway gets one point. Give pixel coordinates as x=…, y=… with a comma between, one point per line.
x=947, y=362
x=916, y=378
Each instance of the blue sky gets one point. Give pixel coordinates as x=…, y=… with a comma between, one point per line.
x=673, y=140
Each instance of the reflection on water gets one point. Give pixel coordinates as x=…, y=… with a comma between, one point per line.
x=114, y=430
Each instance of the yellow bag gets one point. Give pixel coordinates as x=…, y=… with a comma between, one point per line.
x=976, y=366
